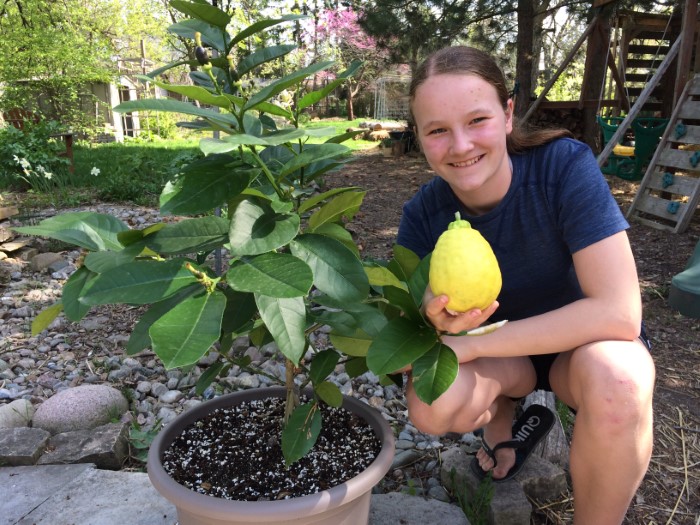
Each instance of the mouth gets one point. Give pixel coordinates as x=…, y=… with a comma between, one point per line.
x=467, y=163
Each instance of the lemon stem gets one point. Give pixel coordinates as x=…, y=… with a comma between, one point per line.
x=458, y=222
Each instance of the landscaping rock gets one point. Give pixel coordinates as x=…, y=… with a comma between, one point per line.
x=43, y=261
x=541, y=479
x=22, y=446
x=508, y=504
x=395, y=508
x=105, y=446
x=80, y=408
x=18, y=413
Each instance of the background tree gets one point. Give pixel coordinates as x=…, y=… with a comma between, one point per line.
x=53, y=50
x=410, y=29
x=347, y=42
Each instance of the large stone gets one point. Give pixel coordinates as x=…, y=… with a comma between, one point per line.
x=22, y=445
x=542, y=480
x=105, y=446
x=81, y=408
x=80, y=495
x=42, y=261
x=18, y=413
x=395, y=508
x=508, y=503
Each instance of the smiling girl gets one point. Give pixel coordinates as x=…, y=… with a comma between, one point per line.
x=570, y=288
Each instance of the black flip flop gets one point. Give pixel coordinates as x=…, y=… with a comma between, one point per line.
x=528, y=431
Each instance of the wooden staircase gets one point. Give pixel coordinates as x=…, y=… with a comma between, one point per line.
x=669, y=193
x=644, y=43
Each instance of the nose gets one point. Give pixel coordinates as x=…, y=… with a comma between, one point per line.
x=461, y=142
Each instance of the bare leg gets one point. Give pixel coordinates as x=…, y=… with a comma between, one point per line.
x=480, y=396
x=610, y=385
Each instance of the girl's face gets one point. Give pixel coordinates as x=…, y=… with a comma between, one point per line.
x=462, y=128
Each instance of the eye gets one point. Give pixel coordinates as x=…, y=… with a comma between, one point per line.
x=436, y=131
x=478, y=120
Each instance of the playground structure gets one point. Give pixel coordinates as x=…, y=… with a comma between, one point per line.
x=629, y=161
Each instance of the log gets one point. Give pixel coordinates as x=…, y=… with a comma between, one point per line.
x=555, y=447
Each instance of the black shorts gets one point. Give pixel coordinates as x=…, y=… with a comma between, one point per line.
x=543, y=363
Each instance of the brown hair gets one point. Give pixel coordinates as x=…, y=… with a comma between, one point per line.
x=470, y=61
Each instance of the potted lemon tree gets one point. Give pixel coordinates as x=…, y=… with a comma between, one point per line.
x=291, y=268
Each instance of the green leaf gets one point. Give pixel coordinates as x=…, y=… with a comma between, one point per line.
x=313, y=154
x=406, y=259
x=138, y=282
x=204, y=12
x=400, y=343
x=382, y=276
x=337, y=272
x=329, y=394
x=344, y=205
x=301, y=432
x=198, y=93
x=316, y=200
x=208, y=376
x=211, y=36
x=403, y=300
x=72, y=290
x=229, y=143
x=100, y=262
x=356, y=366
x=263, y=24
x=257, y=228
x=339, y=233
x=356, y=344
x=190, y=235
x=89, y=230
x=342, y=322
x=185, y=333
x=272, y=274
x=226, y=120
x=286, y=320
x=240, y=309
x=323, y=365
x=275, y=88
x=368, y=317
x=261, y=56
x=196, y=192
x=418, y=281
x=311, y=98
x=434, y=372
x=140, y=338
x=160, y=70
x=338, y=139
x=42, y=321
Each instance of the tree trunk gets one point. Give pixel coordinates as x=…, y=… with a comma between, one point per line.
x=351, y=111
x=596, y=64
x=524, y=60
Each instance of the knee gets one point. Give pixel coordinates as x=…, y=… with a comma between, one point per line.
x=618, y=395
x=427, y=419
x=444, y=415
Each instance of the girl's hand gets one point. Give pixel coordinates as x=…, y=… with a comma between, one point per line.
x=444, y=321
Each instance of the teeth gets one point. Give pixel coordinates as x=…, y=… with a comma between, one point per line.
x=467, y=163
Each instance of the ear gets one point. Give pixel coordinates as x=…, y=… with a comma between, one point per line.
x=510, y=110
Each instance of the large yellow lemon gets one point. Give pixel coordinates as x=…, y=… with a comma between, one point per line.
x=464, y=267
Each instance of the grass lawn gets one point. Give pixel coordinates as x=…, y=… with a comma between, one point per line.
x=136, y=171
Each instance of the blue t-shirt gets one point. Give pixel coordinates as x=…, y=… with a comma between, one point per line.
x=558, y=203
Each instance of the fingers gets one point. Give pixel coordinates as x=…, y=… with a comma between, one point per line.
x=443, y=320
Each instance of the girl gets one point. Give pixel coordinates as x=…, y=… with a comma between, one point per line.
x=570, y=288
